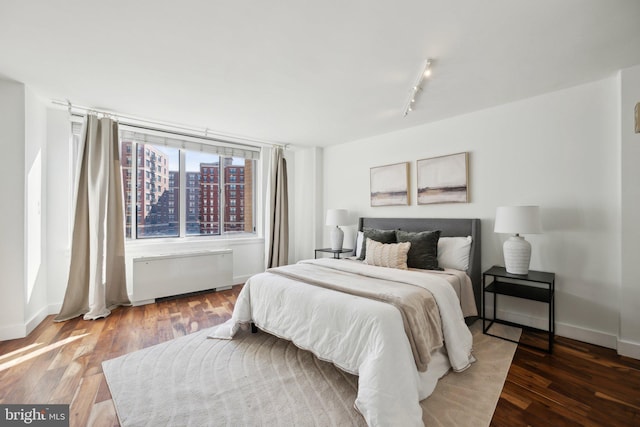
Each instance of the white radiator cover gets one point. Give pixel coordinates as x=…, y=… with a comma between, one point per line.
x=160, y=276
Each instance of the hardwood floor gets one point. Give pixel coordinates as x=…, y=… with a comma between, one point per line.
x=61, y=362
x=580, y=384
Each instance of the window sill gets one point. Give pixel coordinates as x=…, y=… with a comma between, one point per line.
x=193, y=242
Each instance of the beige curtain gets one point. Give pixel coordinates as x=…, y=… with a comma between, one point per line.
x=278, y=210
x=97, y=281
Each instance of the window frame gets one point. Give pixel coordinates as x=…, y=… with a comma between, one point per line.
x=194, y=142
x=185, y=202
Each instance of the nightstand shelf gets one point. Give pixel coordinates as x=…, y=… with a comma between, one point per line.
x=536, y=286
x=519, y=291
x=336, y=252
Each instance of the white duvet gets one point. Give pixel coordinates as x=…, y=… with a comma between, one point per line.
x=359, y=335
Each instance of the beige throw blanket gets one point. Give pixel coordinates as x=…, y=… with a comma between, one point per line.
x=417, y=306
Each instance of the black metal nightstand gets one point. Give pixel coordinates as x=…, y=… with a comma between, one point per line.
x=535, y=286
x=336, y=252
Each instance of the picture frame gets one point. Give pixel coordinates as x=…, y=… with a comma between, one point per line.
x=443, y=179
x=389, y=185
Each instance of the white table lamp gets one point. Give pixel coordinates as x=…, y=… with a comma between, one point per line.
x=337, y=217
x=517, y=220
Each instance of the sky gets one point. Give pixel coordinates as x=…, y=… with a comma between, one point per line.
x=193, y=159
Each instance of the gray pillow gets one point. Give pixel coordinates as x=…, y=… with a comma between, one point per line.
x=424, y=248
x=382, y=236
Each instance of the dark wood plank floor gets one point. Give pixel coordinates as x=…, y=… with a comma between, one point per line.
x=580, y=384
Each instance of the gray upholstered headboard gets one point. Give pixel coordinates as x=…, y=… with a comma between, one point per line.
x=449, y=227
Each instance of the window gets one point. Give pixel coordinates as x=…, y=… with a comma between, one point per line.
x=153, y=218
x=173, y=172
x=169, y=179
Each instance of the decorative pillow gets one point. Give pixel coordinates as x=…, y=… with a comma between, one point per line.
x=453, y=252
x=382, y=236
x=392, y=255
x=424, y=248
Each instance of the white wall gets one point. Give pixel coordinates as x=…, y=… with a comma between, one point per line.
x=629, y=344
x=12, y=189
x=305, y=179
x=23, y=287
x=560, y=151
x=35, y=206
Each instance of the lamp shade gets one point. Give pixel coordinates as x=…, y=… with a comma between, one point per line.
x=518, y=220
x=337, y=217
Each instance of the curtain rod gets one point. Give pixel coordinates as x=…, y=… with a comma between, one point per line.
x=175, y=128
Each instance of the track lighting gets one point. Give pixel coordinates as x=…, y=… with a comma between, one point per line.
x=417, y=87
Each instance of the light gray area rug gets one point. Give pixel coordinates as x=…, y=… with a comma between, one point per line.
x=469, y=398
x=258, y=379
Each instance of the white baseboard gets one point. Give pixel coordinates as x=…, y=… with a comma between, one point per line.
x=21, y=330
x=579, y=333
x=36, y=320
x=603, y=339
x=12, y=332
x=629, y=349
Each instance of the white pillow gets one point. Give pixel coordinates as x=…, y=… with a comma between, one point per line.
x=453, y=252
x=359, y=242
x=392, y=255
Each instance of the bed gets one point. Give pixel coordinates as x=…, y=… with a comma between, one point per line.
x=368, y=336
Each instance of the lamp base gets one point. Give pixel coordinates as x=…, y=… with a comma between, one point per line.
x=337, y=237
x=517, y=255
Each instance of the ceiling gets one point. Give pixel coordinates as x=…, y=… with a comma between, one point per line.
x=310, y=72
